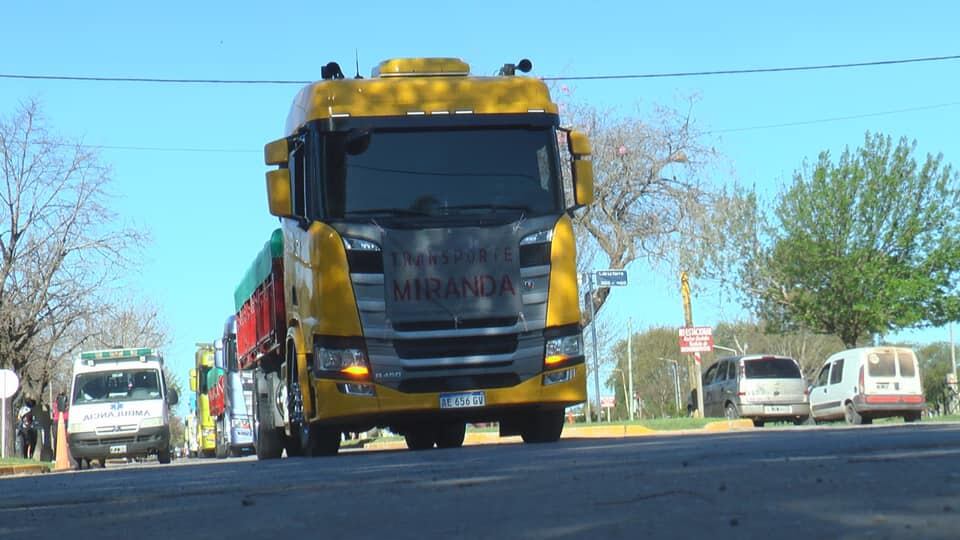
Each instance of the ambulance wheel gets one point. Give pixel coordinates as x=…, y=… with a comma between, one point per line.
x=543, y=427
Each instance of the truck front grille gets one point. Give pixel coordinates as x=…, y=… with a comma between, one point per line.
x=459, y=383
x=454, y=347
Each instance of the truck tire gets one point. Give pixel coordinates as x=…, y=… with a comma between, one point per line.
x=319, y=441
x=223, y=446
x=451, y=435
x=163, y=456
x=269, y=440
x=422, y=438
x=543, y=427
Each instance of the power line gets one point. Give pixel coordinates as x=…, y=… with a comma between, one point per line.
x=158, y=80
x=833, y=118
x=754, y=70
x=710, y=132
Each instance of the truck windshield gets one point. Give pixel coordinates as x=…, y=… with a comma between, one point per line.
x=403, y=173
x=119, y=385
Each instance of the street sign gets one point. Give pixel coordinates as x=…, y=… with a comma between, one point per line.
x=606, y=402
x=611, y=278
x=9, y=383
x=695, y=339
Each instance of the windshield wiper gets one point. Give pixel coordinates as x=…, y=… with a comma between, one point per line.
x=388, y=211
x=488, y=206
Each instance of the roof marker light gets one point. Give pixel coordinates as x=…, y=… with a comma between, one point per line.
x=415, y=113
x=463, y=111
x=439, y=112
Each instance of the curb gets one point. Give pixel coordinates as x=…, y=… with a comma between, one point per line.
x=10, y=470
x=729, y=425
x=581, y=432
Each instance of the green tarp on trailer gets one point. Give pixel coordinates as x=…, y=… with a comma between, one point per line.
x=259, y=270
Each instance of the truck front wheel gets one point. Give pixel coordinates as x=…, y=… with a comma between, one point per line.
x=543, y=427
x=163, y=456
x=319, y=441
x=451, y=435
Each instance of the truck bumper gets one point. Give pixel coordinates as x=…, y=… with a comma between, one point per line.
x=336, y=407
x=144, y=442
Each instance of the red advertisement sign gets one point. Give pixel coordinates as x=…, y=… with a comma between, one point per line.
x=696, y=339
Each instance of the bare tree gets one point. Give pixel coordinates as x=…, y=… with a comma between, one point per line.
x=59, y=243
x=637, y=212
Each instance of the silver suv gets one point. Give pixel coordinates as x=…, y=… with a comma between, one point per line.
x=759, y=387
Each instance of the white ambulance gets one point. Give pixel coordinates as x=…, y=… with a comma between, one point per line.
x=120, y=406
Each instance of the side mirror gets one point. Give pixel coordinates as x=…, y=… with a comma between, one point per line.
x=172, y=396
x=582, y=168
x=193, y=380
x=278, y=193
x=276, y=152
x=62, y=404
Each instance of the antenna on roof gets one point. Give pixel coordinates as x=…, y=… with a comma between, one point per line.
x=356, y=57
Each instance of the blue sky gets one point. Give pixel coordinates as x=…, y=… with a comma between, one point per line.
x=206, y=210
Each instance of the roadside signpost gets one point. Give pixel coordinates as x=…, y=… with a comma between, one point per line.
x=9, y=383
x=611, y=278
x=600, y=278
x=696, y=339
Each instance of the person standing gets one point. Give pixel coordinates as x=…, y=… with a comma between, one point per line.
x=27, y=429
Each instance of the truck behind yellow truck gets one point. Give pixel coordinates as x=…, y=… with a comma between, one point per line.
x=424, y=275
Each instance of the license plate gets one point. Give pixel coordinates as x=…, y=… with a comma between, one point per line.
x=776, y=409
x=462, y=400
x=118, y=449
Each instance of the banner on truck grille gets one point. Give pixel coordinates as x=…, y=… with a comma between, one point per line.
x=451, y=274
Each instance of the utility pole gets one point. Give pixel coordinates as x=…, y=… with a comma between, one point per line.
x=697, y=382
x=596, y=362
x=630, y=365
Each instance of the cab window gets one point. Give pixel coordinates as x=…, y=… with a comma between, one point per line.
x=836, y=374
x=822, y=377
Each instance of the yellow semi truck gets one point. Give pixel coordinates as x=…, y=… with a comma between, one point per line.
x=200, y=376
x=424, y=274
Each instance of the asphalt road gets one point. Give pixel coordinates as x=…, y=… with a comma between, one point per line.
x=810, y=483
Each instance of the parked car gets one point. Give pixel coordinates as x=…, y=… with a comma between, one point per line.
x=858, y=385
x=759, y=387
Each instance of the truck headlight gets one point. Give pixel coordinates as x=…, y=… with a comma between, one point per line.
x=561, y=350
x=151, y=422
x=80, y=427
x=346, y=357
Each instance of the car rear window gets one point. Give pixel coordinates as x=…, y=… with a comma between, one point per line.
x=771, y=368
x=881, y=364
x=907, y=364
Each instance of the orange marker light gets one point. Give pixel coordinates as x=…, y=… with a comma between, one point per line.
x=554, y=359
x=356, y=371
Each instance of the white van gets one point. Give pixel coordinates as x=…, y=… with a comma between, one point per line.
x=859, y=385
x=119, y=406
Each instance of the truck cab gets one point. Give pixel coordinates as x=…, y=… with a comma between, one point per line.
x=120, y=406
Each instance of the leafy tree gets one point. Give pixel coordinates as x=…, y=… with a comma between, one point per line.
x=934, y=366
x=867, y=244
